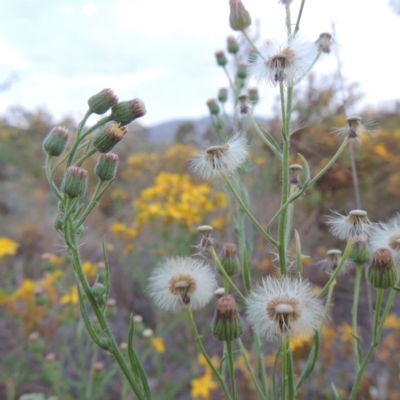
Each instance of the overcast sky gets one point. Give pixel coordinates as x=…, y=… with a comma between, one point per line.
x=162, y=51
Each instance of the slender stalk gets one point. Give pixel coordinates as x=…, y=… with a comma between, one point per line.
x=231, y=368
x=229, y=78
x=53, y=186
x=252, y=43
x=288, y=18
x=299, y=17
x=247, y=211
x=261, y=364
x=355, y=314
x=204, y=352
x=263, y=395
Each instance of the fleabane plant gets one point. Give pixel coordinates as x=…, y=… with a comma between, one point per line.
x=278, y=308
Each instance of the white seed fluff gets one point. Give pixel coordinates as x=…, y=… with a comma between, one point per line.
x=283, y=306
x=182, y=282
x=219, y=159
x=285, y=61
x=349, y=226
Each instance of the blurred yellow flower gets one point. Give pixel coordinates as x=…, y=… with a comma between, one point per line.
x=392, y=322
x=158, y=344
x=7, y=247
x=70, y=298
x=90, y=270
x=202, y=387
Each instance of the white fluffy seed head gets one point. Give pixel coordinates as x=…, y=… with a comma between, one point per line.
x=344, y=227
x=182, y=282
x=283, y=306
x=285, y=61
x=219, y=159
x=332, y=260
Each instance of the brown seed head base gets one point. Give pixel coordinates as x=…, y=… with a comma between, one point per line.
x=182, y=285
x=284, y=311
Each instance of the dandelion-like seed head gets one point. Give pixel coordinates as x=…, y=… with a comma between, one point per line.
x=324, y=42
x=206, y=240
x=284, y=62
x=354, y=128
x=332, y=260
x=294, y=174
x=284, y=306
x=221, y=159
x=354, y=224
x=182, y=282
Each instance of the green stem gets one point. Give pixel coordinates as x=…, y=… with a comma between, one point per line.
x=229, y=79
x=247, y=211
x=261, y=365
x=53, y=186
x=288, y=390
x=299, y=16
x=252, y=44
x=204, y=353
x=355, y=315
x=288, y=18
x=231, y=368
x=266, y=138
x=263, y=396
x=85, y=156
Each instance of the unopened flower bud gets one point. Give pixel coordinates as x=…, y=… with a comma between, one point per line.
x=98, y=367
x=106, y=166
x=222, y=95
x=108, y=136
x=147, y=333
x=239, y=17
x=294, y=174
x=382, y=272
x=111, y=302
x=51, y=357
x=98, y=291
x=102, y=101
x=75, y=182
x=232, y=45
x=127, y=111
x=123, y=346
x=230, y=259
x=104, y=343
x=213, y=107
x=227, y=324
x=137, y=319
x=253, y=95
x=242, y=71
x=59, y=222
x=324, y=42
x=55, y=142
x=360, y=252
x=221, y=58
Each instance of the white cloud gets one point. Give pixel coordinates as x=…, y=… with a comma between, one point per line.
x=89, y=9
x=12, y=58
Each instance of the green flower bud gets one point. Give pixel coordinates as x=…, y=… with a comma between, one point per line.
x=239, y=17
x=55, y=142
x=253, y=95
x=59, y=222
x=230, y=259
x=102, y=101
x=213, y=107
x=75, y=182
x=360, y=252
x=107, y=136
x=242, y=71
x=227, y=324
x=222, y=95
x=382, y=272
x=98, y=291
x=106, y=167
x=221, y=58
x=127, y=111
x=105, y=343
x=232, y=45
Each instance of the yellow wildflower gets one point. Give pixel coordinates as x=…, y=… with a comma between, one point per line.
x=71, y=297
x=158, y=344
x=7, y=247
x=201, y=387
x=90, y=270
x=392, y=322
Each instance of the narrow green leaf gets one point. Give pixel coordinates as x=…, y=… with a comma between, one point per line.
x=107, y=265
x=136, y=365
x=312, y=358
x=308, y=171
x=299, y=257
x=273, y=372
x=336, y=395
x=396, y=288
x=246, y=269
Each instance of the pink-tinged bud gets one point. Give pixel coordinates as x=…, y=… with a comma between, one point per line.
x=382, y=273
x=232, y=45
x=55, y=142
x=75, y=182
x=106, y=167
x=239, y=17
x=213, y=107
x=127, y=111
x=108, y=136
x=102, y=101
x=360, y=252
x=221, y=58
x=242, y=71
x=227, y=324
x=222, y=95
x=230, y=259
x=253, y=95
